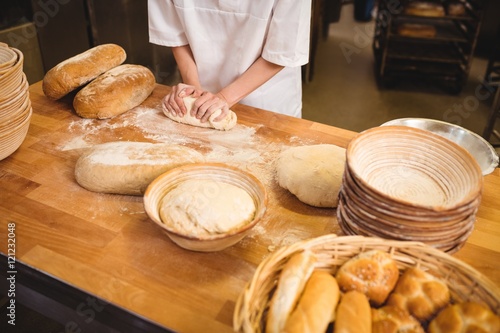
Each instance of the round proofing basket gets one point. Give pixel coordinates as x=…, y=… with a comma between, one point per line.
x=217, y=172
x=11, y=141
x=7, y=56
x=21, y=89
x=11, y=77
x=464, y=282
x=414, y=168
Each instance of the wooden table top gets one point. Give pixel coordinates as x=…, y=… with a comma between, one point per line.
x=106, y=245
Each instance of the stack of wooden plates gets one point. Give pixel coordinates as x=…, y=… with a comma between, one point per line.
x=15, y=104
x=409, y=184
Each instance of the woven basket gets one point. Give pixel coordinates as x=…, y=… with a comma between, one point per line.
x=464, y=282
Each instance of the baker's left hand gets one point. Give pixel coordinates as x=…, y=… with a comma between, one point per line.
x=207, y=104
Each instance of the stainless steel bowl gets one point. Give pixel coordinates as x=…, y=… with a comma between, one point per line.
x=482, y=150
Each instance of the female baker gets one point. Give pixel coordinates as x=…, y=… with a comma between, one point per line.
x=230, y=51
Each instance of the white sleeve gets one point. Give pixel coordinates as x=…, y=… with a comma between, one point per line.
x=287, y=42
x=165, y=27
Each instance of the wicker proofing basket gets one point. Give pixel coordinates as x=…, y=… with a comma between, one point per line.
x=465, y=282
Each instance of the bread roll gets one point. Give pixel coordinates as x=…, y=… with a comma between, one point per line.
x=353, y=314
x=114, y=92
x=465, y=317
x=291, y=283
x=391, y=319
x=420, y=293
x=317, y=305
x=373, y=273
x=224, y=125
x=81, y=69
x=128, y=167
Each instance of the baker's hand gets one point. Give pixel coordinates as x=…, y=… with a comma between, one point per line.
x=174, y=102
x=207, y=104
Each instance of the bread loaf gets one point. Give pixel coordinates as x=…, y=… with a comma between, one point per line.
x=353, y=314
x=114, y=92
x=423, y=8
x=465, y=317
x=291, y=283
x=417, y=30
x=224, y=125
x=391, y=319
x=456, y=9
x=316, y=306
x=374, y=273
x=81, y=69
x=128, y=167
x=420, y=293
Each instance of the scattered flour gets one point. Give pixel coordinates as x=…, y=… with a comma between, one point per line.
x=241, y=147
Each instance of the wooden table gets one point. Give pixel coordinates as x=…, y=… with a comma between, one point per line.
x=105, y=245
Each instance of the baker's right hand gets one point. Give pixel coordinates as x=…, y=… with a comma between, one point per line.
x=174, y=102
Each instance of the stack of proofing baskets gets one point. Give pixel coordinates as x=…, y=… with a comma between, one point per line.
x=15, y=104
x=409, y=184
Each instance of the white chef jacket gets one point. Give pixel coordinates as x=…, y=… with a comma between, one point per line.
x=228, y=36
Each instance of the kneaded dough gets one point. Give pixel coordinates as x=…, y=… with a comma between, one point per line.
x=206, y=207
x=312, y=173
x=124, y=167
x=223, y=125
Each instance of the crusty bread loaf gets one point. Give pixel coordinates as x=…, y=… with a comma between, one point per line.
x=391, y=319
x=293, y=278
x=420, y=293
x=417, y=30
x=124, y=167
x=81, y=69
x=373, y=273
x=423, y=8
x=465, y=317
x=353, y=314
x=114, y=92
x=316, y=307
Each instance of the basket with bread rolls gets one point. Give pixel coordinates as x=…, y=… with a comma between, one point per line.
x=366, y=284
x=105, y=87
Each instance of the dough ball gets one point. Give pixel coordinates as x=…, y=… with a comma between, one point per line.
x=205, y=207
x=312, y=173
x=224, y=125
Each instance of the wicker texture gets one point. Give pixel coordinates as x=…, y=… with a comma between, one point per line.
x=465, y=283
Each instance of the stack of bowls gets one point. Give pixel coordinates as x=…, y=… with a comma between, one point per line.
x=15, y=104
x=409, y=184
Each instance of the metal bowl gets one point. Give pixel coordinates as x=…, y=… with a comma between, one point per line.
x=478, y=147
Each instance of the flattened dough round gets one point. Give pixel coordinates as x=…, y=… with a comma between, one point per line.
x=206, y=207
x=312, y=173
x=223, y=125
x=124, y=167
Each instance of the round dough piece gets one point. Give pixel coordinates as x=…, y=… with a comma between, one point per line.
x=222, y=125
x=312, y=173
x=203, y=208
x=124, y=167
